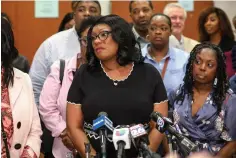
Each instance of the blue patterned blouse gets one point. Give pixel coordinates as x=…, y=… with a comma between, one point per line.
x=209, y=129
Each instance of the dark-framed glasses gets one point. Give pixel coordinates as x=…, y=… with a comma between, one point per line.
x=84, y=41
x=101, y=36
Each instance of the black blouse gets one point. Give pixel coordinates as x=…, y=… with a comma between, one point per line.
x=130, y=102
x=226, y=44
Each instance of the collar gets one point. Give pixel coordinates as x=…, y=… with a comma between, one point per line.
x=72, y=63
x=146, y=54
x=17, y=73
x=74, y=31
x=137, y=35
x=15, y=90
x=181, y=42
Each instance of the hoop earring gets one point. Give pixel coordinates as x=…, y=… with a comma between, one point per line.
x=215, y=82
x=147, y=37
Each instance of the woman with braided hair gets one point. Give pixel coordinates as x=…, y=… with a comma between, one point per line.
x=204, y=106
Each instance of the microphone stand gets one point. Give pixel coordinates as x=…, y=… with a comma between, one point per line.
x=146, y=150
x=87, y=150
x=140, y=153
x=174, y=145
x=169, y=140
x=121, y=151
x=183, y=152
x=103, y=143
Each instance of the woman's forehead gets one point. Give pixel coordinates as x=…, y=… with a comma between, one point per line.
x=100, y=27
x=207, y=53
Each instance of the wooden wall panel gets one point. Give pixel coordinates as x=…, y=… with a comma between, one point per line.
x=29, y=31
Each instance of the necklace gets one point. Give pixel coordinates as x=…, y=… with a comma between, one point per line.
x=115, y=82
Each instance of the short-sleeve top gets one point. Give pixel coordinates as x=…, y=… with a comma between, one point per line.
x=130, y=102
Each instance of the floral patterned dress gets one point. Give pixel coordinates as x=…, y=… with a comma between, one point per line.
x=208, y=128
x=7, y=120
x=6, y=117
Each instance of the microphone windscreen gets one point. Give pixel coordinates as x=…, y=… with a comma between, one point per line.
x=102, y=114
x=154, y=115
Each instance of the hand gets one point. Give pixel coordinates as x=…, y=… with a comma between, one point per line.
x=92, y=155
x=172, y=155
x=202, y=154
x=66, y=140
x=75, y=153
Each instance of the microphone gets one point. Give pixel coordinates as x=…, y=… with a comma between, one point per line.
x=121, y=140
x=102, y=121
x=140, y=137
x=101, y=124
x=87, y=150
x=164, y=124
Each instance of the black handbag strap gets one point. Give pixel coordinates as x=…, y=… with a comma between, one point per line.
x=4, y=137
x=62, y=69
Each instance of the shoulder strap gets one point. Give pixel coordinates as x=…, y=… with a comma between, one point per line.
x=164, y=67
x=62, y=68
x=4, y=137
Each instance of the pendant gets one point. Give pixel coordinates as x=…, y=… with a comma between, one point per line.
x=115, y=83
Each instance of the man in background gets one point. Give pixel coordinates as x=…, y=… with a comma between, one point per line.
x=178, y=16
x=140, y=12
x=62, y=45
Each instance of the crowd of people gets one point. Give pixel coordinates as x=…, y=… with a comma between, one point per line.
x=105, y=64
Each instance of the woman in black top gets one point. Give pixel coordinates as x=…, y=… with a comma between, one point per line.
x=214, y=26
x=115, y=81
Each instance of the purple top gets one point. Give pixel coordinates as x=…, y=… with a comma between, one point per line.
x=229, y=64
x=207, y=128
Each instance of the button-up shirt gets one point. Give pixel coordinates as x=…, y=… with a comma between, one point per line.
x=174, y=42
x=52, y=106
x=185, y=43
x=175, y=70
x=61, y=45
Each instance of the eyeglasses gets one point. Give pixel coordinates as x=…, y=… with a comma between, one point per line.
x=102, y=36
x=84, y=41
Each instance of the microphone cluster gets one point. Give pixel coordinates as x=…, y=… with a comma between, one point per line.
x=124, y=136
x=163, y=124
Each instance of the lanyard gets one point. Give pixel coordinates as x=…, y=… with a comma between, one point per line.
x=164, y=67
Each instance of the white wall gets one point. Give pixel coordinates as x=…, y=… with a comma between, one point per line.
x=106, y=6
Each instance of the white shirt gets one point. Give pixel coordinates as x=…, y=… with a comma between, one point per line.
x=185, y=43
x=62, y=45
x=174, y=42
